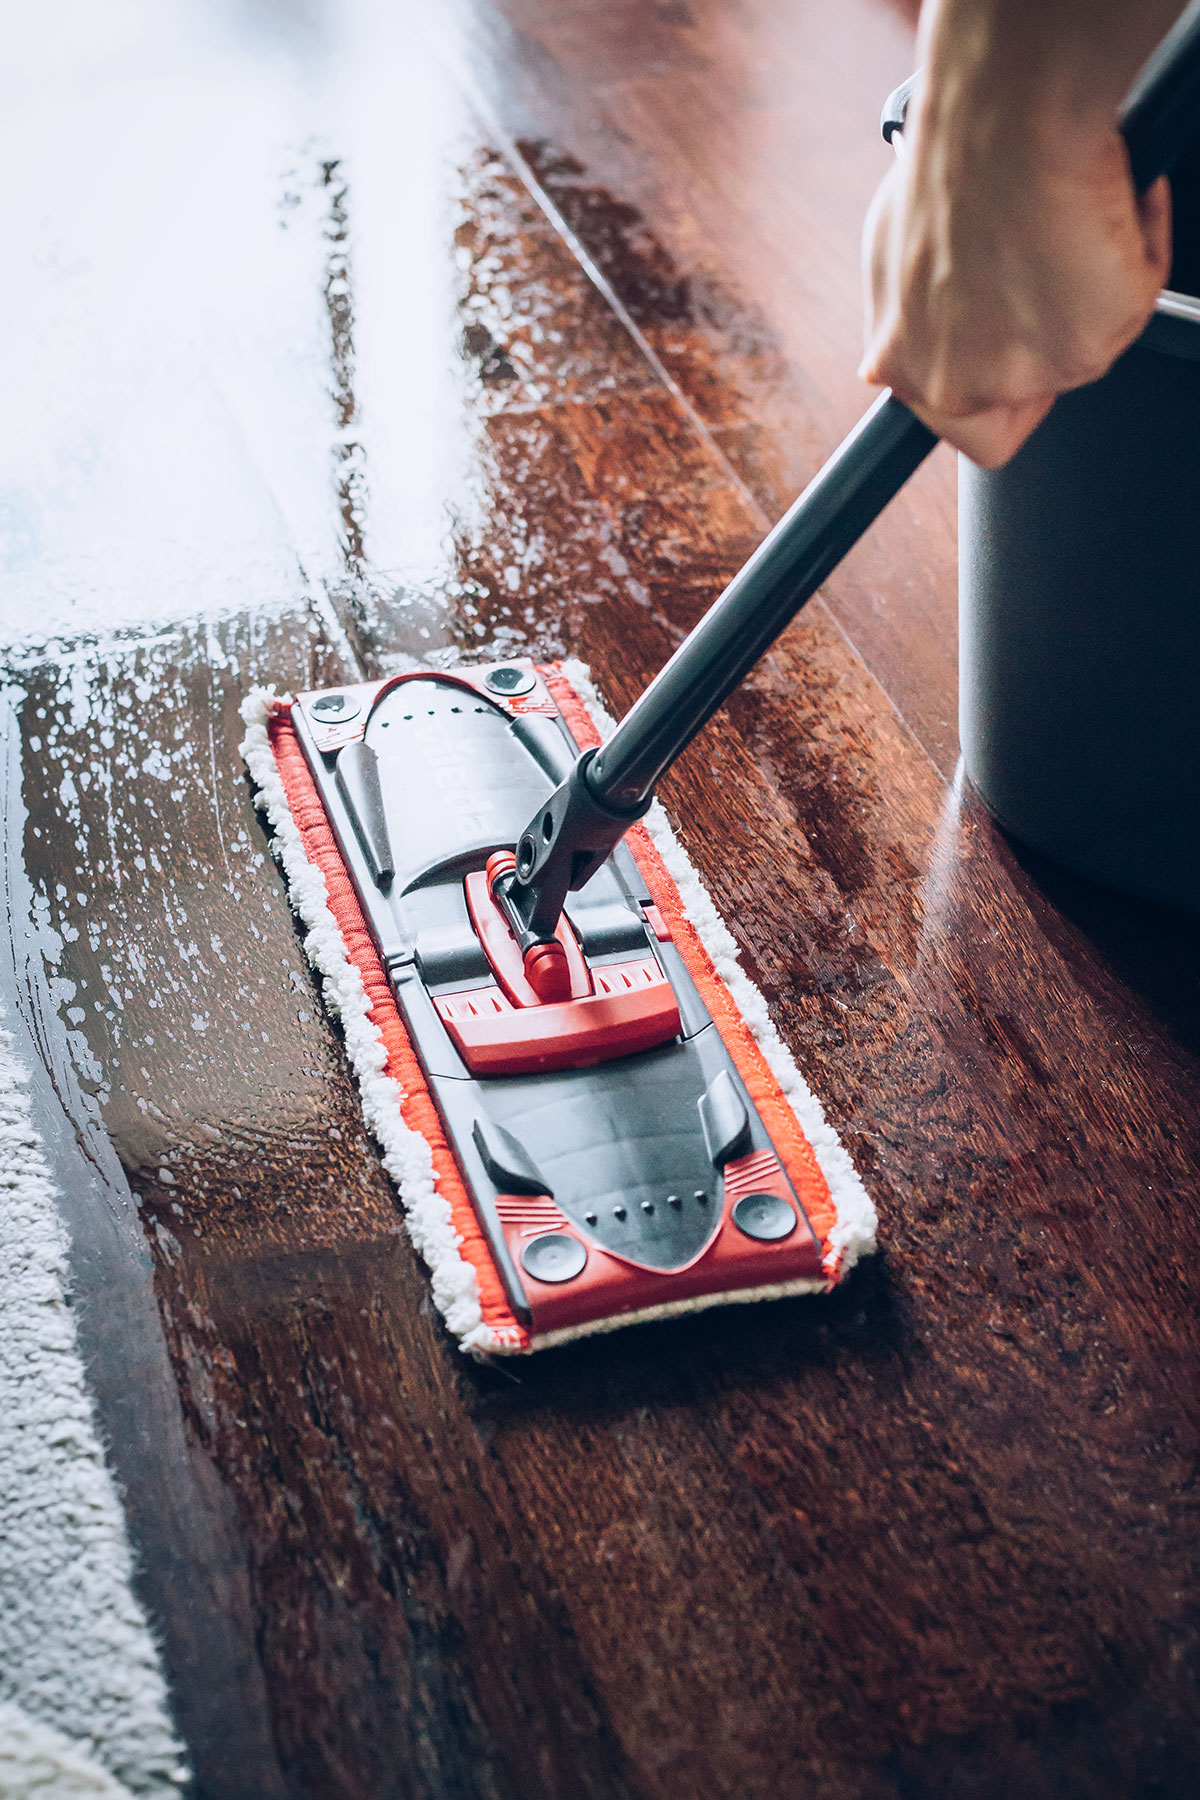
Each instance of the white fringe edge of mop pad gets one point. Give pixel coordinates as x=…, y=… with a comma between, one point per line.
x=406, y=1155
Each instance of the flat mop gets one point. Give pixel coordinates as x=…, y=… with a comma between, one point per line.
x=586, y=1110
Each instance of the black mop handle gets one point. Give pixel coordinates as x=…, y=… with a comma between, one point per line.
x=1159, y=121
x=839, y=503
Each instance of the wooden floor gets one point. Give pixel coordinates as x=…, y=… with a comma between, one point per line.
x=345, y=337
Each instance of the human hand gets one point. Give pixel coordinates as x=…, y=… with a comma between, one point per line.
x=1007, y=259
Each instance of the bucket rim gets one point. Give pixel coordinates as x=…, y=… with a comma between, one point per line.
x=1174, y=328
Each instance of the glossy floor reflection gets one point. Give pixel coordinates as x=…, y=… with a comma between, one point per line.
x=352, y=336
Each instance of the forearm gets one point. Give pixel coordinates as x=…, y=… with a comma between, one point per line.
x=1052, y=65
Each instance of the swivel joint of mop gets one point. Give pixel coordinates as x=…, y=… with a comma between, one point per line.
x=559, y=851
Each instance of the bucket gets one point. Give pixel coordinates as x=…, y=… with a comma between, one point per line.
x=1079, y=648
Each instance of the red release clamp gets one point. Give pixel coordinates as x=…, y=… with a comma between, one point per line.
x=547, y=1010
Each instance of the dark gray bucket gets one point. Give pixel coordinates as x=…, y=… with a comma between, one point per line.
x=1079, y=655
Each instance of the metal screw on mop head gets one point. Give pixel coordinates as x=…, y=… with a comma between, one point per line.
x=509, y=680
x=764, y=1216
x=554, y=1257
x=334, y=709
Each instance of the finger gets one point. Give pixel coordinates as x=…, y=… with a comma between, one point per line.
x=961, y=381
x=1154, y=214
x=992, y=436
x=875, y=255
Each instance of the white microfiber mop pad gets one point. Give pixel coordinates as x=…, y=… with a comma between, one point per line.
x=391, y=1082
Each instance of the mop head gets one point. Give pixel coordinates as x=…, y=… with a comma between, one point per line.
x=518, y=1259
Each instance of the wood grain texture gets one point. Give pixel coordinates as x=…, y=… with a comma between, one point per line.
x=715, y=163
x=935, y=1537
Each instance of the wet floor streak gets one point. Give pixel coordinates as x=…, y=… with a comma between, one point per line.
x=154, y=882
x=581, y=486
x=718, y=346
x=350, y=477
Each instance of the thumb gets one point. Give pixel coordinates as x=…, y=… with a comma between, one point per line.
x=878, y=305
x=1154, y=216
